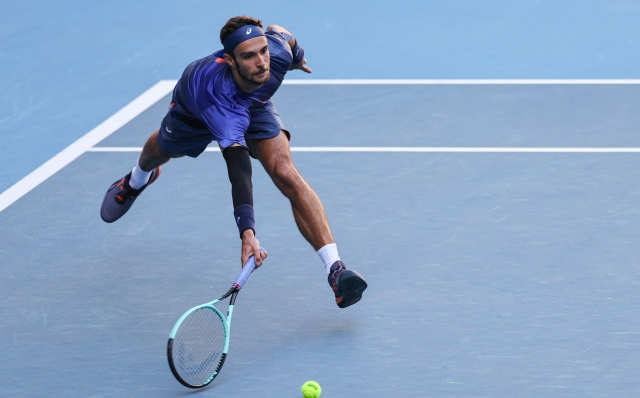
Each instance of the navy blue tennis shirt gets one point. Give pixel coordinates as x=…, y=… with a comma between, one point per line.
x=208, y=94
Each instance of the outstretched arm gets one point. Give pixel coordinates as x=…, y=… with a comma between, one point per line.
x=239, y=169
x=295, y=48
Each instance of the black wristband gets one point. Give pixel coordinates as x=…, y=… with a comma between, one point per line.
x=244, y=218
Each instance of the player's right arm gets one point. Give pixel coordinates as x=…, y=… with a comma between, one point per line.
x=228, y=123
x=239, y=168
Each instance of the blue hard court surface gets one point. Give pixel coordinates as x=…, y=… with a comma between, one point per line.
x=491, y=275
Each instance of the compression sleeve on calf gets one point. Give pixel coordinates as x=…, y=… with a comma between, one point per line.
x=239, y=169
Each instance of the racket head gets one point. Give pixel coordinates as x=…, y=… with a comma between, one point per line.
x=198, y=346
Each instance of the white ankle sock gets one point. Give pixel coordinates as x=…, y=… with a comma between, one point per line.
x=329, y=255
x=138, y=177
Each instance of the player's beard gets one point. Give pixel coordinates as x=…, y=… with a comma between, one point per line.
x=253, y=77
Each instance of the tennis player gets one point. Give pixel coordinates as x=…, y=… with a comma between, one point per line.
x=226, y=97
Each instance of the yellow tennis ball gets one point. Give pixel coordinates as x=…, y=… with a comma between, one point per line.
x=311, y=389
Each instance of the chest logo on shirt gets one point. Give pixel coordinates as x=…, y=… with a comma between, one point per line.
x=248, y=30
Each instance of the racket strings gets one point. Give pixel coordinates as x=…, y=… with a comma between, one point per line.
x=198, y=346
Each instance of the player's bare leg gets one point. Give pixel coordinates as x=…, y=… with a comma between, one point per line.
x=309, y=214
x=152, y=156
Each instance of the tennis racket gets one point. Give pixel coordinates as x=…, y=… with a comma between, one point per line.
x=199, y=341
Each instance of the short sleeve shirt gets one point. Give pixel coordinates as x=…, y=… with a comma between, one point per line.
x=208, y=92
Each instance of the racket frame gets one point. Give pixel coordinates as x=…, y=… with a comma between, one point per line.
x=226, y=323
x=247, y=269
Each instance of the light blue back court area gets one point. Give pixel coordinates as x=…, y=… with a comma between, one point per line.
x=495, y=219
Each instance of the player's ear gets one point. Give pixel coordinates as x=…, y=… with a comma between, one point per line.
x=229, y=59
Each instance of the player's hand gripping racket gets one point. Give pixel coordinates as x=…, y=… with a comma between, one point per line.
x=199, y=341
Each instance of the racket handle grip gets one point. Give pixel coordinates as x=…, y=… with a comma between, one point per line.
x=248, y=268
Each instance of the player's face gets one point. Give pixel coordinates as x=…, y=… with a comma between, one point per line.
x=252, y=60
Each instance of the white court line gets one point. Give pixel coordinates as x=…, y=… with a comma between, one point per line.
x=73, y=151
x=464, y=149
x=413, y=149
x=164, y=87
x=460, y=81
x=115, y=149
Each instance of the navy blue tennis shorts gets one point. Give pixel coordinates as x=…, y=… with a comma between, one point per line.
x=180, y=134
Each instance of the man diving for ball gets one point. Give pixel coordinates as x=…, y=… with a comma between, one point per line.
x=226, y=97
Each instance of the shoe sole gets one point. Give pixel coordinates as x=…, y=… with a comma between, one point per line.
x=350, y=287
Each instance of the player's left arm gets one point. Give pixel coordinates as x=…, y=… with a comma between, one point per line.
x=299, y=62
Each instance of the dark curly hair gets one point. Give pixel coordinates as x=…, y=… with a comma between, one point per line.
x=235, y=23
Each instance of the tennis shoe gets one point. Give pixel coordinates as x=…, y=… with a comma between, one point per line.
x=120, y=196
x=347, y=285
